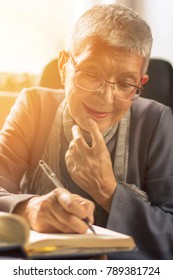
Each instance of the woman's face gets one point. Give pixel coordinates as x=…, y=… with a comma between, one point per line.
x=102, y=105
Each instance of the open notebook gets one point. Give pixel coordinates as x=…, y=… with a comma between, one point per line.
x=15, y=230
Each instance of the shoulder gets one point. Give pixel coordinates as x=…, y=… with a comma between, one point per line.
x=34, y=105
x=42, y=94
x=39, y=99
x=149, y=116
x=151, y=110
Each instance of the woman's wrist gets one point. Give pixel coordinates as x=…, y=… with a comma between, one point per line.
x=105, y=196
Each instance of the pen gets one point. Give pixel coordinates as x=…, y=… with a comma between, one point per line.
x=51, y=175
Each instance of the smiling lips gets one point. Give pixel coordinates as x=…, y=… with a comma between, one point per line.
x=95, y=114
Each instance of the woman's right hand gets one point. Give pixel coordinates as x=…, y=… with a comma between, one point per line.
x=57, y=211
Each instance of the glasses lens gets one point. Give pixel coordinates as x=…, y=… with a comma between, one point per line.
x=88, y=81
x=127, y=92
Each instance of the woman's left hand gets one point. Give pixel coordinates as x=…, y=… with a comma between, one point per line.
x=91, y=167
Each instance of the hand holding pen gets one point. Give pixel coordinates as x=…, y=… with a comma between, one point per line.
x=65, y=195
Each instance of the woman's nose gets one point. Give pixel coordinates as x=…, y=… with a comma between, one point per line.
x=106, y=95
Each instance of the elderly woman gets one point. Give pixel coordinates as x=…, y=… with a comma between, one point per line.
x=111, y=149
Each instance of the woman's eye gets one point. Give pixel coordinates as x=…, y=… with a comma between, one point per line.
x=124, y=85
x=90, y=78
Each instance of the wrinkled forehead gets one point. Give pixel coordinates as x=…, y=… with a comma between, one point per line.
x=89, y=44
x=101, y=54
x=89, y=47
x=94, y=47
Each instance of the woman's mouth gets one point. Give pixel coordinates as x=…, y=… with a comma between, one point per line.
x=95, y=114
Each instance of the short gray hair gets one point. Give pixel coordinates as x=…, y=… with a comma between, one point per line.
x=117, y=26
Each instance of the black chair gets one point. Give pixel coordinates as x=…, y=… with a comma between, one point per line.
x=160, y=84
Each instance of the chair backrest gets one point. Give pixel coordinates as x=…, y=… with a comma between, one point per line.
x=160, y=84
x=50, y=76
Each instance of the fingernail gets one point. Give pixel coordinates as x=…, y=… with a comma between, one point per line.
x=90, y=121
x=65, y=197
x=74, y=127
x=75, y=131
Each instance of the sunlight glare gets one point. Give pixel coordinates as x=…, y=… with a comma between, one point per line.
x=32, y=32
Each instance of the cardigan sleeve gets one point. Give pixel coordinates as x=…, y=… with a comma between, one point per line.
x=150, y=222
x=15, y=140
x=22, y=141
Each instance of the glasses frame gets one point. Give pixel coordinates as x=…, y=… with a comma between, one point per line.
x=108, y=82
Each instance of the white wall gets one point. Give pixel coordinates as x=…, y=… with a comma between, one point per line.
x=159, y=15
x=32, y=32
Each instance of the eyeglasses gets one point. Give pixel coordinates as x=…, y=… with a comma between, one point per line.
x=90, y=82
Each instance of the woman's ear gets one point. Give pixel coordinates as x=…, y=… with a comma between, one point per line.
x=145, y=79
x=63, y=58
